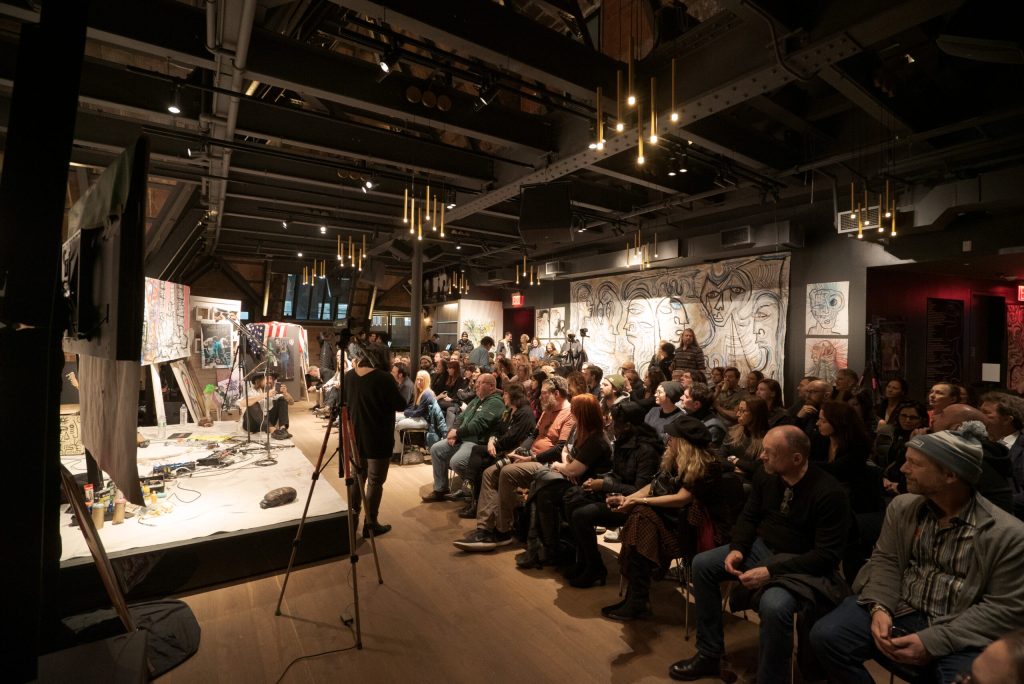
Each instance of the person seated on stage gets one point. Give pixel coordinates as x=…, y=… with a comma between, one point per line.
x=515, y=428
x=424, y=414
x=498, y=491
x=263, y=389
x=473, y=426
x=688, y=488
x=637, y=449
x=791, y=532
x=699, y=402
x=1002, y=662
x=944, y=580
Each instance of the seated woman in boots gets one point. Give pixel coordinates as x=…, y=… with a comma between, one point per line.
x=585, y=454
x=635, y=456
x=688, y=488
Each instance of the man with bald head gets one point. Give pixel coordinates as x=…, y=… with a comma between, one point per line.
x=473, y=426
x=794, y=525
x=996, y=482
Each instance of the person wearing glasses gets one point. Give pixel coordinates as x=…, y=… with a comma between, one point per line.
x=789, y=536
x=944, y=580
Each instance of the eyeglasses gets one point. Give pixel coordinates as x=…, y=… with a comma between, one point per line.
x=787, y=499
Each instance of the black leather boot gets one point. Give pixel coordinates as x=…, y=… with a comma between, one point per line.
x=697, y=667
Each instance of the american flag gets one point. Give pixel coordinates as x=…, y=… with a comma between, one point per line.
x=258, y=331
x=277, y=330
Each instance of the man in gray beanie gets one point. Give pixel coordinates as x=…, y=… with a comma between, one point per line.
x=944, y=580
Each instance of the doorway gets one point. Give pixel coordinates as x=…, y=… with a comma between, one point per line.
x=987, y=343
x=518, y=321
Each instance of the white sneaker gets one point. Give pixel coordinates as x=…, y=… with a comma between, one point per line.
x=612, y=537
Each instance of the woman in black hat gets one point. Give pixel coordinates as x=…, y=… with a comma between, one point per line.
x=685, y=493
x=635, y=455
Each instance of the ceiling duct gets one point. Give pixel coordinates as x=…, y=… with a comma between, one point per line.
x=553, y=269
x=500, y=276
x=737, y=238
x=938, y=206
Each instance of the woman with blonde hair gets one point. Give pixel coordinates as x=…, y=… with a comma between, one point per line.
x=424, y=414
x=688, y=487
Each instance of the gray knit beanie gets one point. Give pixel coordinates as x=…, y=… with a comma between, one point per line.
x=958, y=450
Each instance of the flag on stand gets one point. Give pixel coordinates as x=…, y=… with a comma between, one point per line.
x=258, y=332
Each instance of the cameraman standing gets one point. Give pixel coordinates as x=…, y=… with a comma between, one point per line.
x=573, y=354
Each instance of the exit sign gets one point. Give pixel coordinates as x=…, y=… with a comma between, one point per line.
x=518, y=298
x=1020, y=293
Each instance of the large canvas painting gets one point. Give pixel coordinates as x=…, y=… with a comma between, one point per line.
x=480, y=319
x=165, y=329
x=736, y=308
x=828, y=312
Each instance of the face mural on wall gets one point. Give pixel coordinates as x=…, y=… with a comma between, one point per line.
x=737, y=309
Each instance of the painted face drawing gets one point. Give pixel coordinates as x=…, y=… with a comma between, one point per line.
x=765, y=314
x=723, y=293
x=825, y=303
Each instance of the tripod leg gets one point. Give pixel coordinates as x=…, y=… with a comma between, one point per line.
x=353, y=558
x=317, y=469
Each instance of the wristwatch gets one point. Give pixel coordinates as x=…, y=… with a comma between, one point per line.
x=879, y=607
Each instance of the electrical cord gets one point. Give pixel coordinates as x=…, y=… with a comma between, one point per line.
x=775, y=44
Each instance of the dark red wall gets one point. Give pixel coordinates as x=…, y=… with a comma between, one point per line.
x=896, y=294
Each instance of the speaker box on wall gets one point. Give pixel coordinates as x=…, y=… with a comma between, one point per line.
x=545, y=213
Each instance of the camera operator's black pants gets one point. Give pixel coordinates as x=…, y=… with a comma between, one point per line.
x=252, y=420
x=374, y=473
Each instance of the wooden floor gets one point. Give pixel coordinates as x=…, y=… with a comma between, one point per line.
x=440, y=616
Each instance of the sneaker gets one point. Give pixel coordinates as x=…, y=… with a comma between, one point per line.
x=502, y=538
x=280, y=433
x=612, y=536
x=481, y=540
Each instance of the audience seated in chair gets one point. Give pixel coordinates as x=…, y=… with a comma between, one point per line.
x=474, y=426
x=586, y=453
x=498, y=497
x=686, y=492
x=424, y=414
x=996, y=481
x=787, y=541
x=944, y=580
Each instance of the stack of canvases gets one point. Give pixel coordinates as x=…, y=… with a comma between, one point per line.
x=288, y=347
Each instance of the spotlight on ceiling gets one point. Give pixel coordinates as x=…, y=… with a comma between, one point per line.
x=488, y=92
x=300, y=254
x=323, y=230
x=284, y=224
x=458, y=245
x=175, y=106
x=368, y=185
x=389, y=60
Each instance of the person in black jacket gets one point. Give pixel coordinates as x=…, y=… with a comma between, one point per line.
x=635, y=456
x=372, y=398
x=515, y=427
x=996, y=482
x=795, y=509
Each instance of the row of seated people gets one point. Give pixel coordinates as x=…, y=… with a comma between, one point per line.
x=950, y=596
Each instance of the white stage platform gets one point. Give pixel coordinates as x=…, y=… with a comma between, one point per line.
x=208, y=501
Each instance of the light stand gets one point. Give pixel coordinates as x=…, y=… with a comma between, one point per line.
x=347, y=447
x=246, y=334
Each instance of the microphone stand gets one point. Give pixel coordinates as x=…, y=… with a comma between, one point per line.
x=254, y=342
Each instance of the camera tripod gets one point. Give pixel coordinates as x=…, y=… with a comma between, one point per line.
x=353, y=479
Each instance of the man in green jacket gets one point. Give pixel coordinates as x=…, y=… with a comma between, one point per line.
x=475, y=425
x=944, y=580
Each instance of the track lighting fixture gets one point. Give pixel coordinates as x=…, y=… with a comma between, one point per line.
x=488, y=91
x=175, y=106
x=389, y=60
x=284, y=224
x=300, y=255
x=323, y=230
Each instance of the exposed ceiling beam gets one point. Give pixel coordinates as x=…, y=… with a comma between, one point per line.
x=500, y=36
x=630, y=178
x=740, y=82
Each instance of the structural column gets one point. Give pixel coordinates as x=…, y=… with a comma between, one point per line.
x=416, y=307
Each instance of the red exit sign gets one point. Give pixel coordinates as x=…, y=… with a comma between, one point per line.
x=518, y=298
x=1020, y=293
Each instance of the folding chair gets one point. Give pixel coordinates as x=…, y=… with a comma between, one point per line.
x=407, y=443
